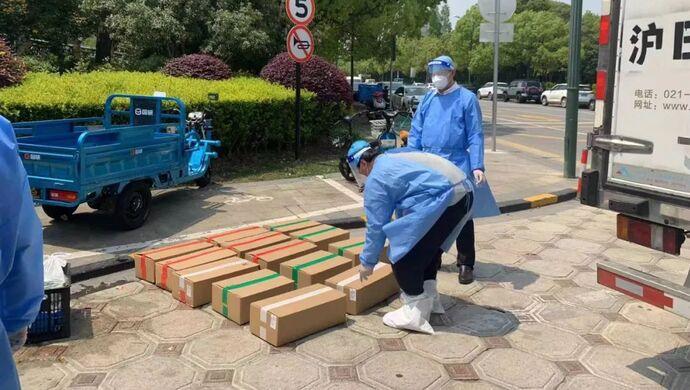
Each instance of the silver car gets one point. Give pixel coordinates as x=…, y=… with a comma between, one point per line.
x=408, y=97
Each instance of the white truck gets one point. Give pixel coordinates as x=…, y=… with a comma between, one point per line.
x=638, y=155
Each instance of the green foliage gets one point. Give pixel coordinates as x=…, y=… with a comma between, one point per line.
x=439, y=21
x=539, y=50
x=237, y=38
x=251, y=113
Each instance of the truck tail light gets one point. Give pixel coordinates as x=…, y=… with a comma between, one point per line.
x=601, y=85
x=604, y=30
x=63, y=196
x=651, y=235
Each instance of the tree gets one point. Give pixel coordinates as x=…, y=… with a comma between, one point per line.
x=237, y=38
x=439, y=21
x=465, y=40
x=590, y=47
x=13, y=14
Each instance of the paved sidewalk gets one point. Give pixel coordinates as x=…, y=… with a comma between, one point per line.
x=534, y=319
x=187, y=211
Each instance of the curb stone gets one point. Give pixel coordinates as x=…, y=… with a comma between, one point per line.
x=120, y=262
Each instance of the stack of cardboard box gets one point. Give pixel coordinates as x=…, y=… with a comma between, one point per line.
x=279, y=278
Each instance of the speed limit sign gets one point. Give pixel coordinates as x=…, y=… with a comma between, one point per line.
x=300, y=12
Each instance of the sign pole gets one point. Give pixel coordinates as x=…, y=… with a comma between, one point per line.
x=298, y=109
x=497, y=23
x=570, y=142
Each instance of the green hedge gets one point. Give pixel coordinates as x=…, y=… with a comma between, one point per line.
x=250, y=114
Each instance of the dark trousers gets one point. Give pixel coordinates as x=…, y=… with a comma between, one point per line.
x=423, y=260
x=465, y=245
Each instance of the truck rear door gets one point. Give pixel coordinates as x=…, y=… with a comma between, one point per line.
x=651, y=102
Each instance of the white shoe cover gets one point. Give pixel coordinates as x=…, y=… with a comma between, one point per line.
x=413, y=315
x=431, y=290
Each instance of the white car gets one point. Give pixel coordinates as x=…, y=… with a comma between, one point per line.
x=559, y=95
x=555, y=95
x=488, y=89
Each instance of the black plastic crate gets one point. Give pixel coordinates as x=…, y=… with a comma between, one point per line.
x=53, y=320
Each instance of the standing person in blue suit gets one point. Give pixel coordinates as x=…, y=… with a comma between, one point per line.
x=448, y=123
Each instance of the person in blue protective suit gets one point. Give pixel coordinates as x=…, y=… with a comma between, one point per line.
x=448, y=123
x=21, y=256
x=431, y=199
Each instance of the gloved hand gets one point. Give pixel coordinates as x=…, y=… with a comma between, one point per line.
x=479, y=176
x=17, y=339
x=364, y=272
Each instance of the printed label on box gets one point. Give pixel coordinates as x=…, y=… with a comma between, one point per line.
x=189, y=292
x=353, y=295
x=274, y=321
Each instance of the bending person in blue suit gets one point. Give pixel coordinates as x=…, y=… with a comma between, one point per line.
x=432, y=200
x=21, y=257
x=448, y=123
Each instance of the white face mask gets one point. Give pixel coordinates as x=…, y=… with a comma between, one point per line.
x=440, y=82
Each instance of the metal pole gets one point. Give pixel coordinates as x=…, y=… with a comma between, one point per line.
x=352, y=64
x=298, y=108
x=494, y=95
x=572, y=101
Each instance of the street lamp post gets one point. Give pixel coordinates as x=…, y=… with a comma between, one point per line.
x=572, y=100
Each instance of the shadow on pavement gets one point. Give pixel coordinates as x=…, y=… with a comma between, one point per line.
x=668, y=369
x=171, y=213
x=516, y=277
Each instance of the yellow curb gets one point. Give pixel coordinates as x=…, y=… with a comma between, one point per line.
x=542, y=200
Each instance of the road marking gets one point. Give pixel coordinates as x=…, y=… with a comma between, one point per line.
x=512, y=122
x=530, y=150
x=533, y=136
x=537, y=117
x=345, y=191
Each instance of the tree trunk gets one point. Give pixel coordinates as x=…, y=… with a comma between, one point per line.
x=104, y=46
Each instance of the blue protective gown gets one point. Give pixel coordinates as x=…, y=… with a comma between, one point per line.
x=417, y=194
x=450, y=126
x=21, y=253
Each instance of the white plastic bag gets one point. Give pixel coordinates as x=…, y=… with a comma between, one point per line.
x=53, y=275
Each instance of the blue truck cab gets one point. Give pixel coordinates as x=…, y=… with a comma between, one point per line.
x=113, y=162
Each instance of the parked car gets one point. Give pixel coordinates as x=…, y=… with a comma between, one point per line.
x=488, y=89
x=559, y=95
x=524, y=90
x=470, y=87
x=407, y=97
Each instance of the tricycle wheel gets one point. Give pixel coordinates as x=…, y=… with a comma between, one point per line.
x=205, y=180
x=59, y=213
x=345, y=170
x=133, y=205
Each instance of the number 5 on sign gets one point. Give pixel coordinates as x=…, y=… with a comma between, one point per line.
x=300, y=12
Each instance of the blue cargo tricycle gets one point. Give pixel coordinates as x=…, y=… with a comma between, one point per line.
x=113, y=162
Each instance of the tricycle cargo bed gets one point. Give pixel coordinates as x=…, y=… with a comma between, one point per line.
x=122, y=155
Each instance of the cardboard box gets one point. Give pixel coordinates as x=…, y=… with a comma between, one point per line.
x=314, y=268
x=236, y=234
x=193, y=285
x=144, y=260
x=364, y=295
x=352, y=248
x=232, y=297
x=164, y=268
x=293, y=226
x=296, y=314
x=254, y=243
x=322, y=235
x=272, y=256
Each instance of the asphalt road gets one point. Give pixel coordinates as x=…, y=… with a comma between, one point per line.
x=535, y=130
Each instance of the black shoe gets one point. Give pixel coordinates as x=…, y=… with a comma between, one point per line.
x=465, y=276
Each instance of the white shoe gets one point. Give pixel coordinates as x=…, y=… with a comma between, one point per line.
x=413, y=315
x=431, y=290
